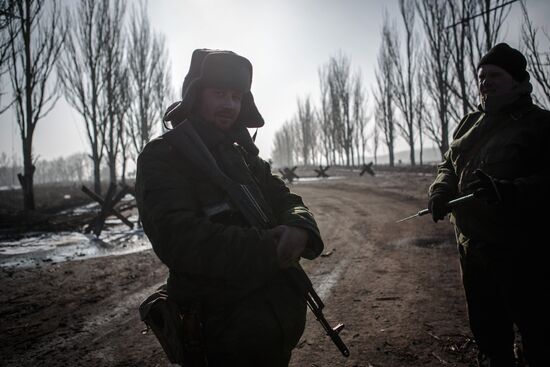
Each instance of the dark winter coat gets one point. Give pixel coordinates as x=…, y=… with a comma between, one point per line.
x=216, y=260
x=511, y=145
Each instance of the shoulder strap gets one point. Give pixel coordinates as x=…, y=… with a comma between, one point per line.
x=246, y=198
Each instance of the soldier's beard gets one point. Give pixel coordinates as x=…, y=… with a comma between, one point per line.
x=493, y=103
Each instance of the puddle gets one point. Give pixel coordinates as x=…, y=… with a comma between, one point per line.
x=314, y=179
x=38, y=248
x=422, y=242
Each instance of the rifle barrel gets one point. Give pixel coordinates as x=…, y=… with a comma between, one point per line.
x=450, y=204
x=316, y=306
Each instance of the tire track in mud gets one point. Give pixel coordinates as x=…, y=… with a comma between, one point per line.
x=390, y=284
x=323, y=285
x=337, y=220
x=393, y=289
x=337, y=234
x=90, y=308
x=93, y=328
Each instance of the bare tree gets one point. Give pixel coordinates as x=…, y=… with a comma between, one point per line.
x=7, y=16
x=487, y=26
x=538, y=61
x=421, y=115
x=73, y=168
x=460, y=42
x=36, y=41
x=80, y=70
x=305, y=120
x=122, y=120
x=437, y=70
x=375, y=140
x=359, y=117
x=79, y=166
x=340, y=90
x=405, y=75
x=324, y=114
x=283, y=147
x=113, y=73
x=6, y=173
x=149, y=78
x=384, y=93
x=162, y=82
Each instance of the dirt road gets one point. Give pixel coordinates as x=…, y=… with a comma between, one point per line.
x=395, y=286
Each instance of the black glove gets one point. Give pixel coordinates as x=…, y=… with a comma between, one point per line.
x=438, y=205
x=493, y=190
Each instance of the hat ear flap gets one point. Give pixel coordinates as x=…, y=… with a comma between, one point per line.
x=250, y=116
x=174, y=114
x=179, y=111
x=207, y=63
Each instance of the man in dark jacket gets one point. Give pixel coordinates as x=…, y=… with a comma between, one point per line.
x=231, y=268
x=501, y=154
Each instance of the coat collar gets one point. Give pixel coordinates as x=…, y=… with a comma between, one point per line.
x=209, y=134
x=212, y=137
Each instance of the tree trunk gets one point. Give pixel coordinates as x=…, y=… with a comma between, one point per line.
x=97, y=172
x=392, y=158
x=123, y=168
x=112, y=170
x=411, y=144
x=421, y=148
x=27, y=178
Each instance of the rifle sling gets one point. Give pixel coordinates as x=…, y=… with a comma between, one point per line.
x=246, y=198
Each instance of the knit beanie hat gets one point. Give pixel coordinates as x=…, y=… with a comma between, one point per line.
x=507, y=58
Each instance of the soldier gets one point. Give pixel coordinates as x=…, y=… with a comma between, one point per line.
x=500, y=153
x=232, y=273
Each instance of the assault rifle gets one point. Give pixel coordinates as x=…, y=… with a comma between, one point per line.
x=250, y=203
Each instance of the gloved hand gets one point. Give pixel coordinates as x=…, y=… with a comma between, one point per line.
x=493, y=190
x=437, y=205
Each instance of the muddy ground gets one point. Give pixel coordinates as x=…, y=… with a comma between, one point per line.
x=395, y=286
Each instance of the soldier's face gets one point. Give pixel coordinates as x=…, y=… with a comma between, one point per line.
x=220, y=107
x=494, y=80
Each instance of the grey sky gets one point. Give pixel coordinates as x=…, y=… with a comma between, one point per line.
x=286, y=41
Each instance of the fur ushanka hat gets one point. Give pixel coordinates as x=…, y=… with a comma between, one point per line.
x=220, y=69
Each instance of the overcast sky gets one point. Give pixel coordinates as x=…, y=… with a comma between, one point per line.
x=286, y=41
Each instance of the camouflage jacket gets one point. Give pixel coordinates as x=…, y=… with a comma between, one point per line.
x=510, y=145
x=215, y=258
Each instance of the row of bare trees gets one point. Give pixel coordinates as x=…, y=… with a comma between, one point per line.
x=538, y=58
x=425, y=81
x=333, y=133
x=73, y=168
x=117, y=80
x=111, y=67
x=32, y=42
